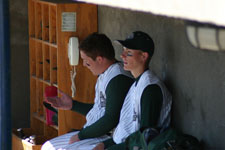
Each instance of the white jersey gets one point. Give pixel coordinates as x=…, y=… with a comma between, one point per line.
x=98, y=109
x=130, y=115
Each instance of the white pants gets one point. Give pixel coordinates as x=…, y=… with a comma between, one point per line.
x=61, y=143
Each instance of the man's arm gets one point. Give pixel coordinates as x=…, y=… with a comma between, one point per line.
x=65, y=102
x=151, y=103
x=82, y=108
x=115, y=95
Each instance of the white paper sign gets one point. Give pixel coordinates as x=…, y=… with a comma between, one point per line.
x=68, y=22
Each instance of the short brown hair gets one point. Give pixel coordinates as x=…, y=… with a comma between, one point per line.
x=97, y=45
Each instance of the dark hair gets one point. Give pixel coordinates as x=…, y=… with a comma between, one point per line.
x=97, y=45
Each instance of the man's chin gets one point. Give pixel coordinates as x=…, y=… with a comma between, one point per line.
x=95, y=73
x=125, y=68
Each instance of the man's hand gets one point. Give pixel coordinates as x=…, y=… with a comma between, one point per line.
x=100, y=146
x=64, y=102
x=74, y=138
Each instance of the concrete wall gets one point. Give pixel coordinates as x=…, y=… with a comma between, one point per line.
x=195, y=78
x=20, y=105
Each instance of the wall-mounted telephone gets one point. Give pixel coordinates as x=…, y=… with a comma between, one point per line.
x=73, y=54
x=73, y=51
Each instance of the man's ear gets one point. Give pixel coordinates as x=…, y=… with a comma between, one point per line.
x=99, y=59
x=145, y=56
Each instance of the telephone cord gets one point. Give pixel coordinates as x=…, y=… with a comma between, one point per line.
x=73, y=75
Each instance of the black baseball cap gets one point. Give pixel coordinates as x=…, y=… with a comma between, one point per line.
x=139, y=40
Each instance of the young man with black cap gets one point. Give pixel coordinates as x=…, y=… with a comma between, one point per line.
x=111, y=88
x=148, y=102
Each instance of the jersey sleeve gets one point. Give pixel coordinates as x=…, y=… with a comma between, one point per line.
x=151, y=104
x=115, y=94
x=82, y=108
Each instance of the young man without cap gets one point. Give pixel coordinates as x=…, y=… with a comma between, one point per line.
x=111, y=88
x=148, y=103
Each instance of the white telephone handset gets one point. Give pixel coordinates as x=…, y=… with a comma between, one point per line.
x=73, y=51
x=73, y=54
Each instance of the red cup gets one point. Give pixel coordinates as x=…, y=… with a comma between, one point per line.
x=50, y=91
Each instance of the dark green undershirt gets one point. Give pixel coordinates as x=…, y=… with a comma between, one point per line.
x=82, y=108
x=151, y=103
x=115, y=94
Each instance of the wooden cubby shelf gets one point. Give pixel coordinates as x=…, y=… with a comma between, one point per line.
x=42, y=119
x=44, y=42
x=49, y=63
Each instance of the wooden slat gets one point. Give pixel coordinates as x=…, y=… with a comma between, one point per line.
x=33, y=104
x=32, y=57
x=39, y=60
x=52, y=24
x=45, y=22
x=31, y=17
x=38, y=21
x=50, y=44
x=53, y=65
x=44, y=42
x=50, y=3
x=46, y=62
x=42, y=105
x=85, y=81
x=39, y=97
